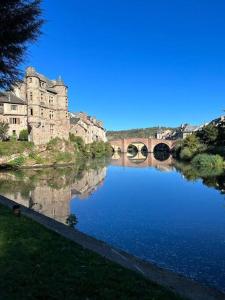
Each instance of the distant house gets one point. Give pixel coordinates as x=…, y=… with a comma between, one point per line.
x=218, y=121
x=186, y=129
x=163, y=134
x=87, y=127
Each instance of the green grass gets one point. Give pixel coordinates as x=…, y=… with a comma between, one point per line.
x=36, y=263
x=13, y=147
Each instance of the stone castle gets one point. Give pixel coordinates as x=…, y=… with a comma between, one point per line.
x=40, y=105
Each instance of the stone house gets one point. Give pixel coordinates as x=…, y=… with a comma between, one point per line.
x=87, y=127
x=220, y=121
x=43, y=108
x=13, y=110
x=186, y=129
x=163, y=134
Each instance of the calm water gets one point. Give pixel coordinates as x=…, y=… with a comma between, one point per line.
x=163, y=213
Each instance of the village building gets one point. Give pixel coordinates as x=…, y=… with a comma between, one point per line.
x=186, y=129
x=88, y=128
x=39, y=105
x=220, y=121
x=163, y=134
x=13, y=111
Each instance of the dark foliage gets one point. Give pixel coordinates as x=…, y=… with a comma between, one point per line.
x=20, y=23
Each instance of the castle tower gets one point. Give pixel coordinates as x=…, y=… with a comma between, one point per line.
x=47, y=105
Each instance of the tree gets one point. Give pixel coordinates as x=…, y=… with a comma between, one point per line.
x=20, y=23
x=221, y=134
x=23, y=136
x=208, y=134
x=4, y=127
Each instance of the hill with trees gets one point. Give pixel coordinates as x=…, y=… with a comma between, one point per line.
x=138, y=132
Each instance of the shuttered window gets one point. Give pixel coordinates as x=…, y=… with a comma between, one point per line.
x=14, y=120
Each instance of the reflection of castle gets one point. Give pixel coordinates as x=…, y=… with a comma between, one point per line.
x=82, y=188
x=50, y=193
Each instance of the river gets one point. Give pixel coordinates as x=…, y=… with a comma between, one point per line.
x=157, y=209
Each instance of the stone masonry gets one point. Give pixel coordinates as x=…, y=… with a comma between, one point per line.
x=39, y=105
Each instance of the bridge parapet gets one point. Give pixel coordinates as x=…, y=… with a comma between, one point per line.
x=150, y=143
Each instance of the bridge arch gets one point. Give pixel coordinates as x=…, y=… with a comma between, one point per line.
x=150, y=143
x=137, y=147
x=163, y=147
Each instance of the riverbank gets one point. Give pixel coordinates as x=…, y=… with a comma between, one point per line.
x=39, y=264
x=20, y=154
x=29, y=248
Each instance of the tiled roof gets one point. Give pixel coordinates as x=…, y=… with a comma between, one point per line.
x=74, y=120
x=190, y=128
x=9, y=97
x=50, y=83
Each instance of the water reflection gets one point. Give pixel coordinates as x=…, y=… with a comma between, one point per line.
x=211, y=177
x=158, y=216
x=162, y=161
x=50, y=190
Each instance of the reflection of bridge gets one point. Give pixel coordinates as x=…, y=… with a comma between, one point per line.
x=139, y=143
x=149, y=161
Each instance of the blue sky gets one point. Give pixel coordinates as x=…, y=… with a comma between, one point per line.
x=136, y=63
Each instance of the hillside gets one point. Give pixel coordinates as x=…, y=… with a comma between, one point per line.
x=138, y=132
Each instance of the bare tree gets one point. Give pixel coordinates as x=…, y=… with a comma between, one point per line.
x=20, y=23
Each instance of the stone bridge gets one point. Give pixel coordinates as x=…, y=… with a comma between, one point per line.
x=150, y=143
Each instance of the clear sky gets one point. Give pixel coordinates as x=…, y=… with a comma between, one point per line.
x=136, y=63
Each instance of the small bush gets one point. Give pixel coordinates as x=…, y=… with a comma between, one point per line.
x=23, y=136
x=186, y=154
x=52, y=143
x=17, y=162
x=64, y=157
x=208, y=160
x=37, y=158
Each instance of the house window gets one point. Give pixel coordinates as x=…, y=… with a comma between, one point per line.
x=42, y=113
x=30, y=79
x=13, y=107
x=31, y=96
x=14, y=120
x=31, y=111
x=51, y=100
x=51, y=129
x=51, y=115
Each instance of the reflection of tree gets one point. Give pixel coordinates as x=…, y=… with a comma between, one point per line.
x=211, y=177
x=49, y=190
x=72, y=220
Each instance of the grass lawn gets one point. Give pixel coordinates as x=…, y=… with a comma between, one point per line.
x=36, y=263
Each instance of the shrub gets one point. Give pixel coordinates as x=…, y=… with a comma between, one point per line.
x=186, y=154
x=78, y=143
x=64, y=157
x=52, y=143
x=17, y=162
x=13, y=137
x=208, y=160
x=23, y=136
x=37, y=158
